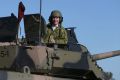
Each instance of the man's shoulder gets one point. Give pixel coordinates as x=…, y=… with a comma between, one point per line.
x=62, y=28
x=48, y=25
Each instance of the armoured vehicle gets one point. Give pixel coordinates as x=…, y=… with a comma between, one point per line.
x=30, y=59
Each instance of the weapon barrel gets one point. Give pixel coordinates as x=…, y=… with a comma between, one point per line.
x=106, y=55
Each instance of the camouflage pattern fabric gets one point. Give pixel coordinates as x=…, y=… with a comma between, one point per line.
x=59, y=35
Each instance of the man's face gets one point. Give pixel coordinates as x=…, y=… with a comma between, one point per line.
x=55, y=20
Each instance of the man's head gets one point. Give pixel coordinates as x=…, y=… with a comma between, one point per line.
x=55, y=17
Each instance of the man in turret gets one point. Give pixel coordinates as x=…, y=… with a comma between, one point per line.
x=55, y=31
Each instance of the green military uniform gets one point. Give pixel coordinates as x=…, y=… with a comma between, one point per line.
x=59, y=35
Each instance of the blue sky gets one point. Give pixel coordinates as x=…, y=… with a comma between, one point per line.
x=97, y=22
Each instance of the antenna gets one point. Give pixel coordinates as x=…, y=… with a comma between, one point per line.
x=40, y=22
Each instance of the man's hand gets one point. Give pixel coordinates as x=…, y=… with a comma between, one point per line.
x=51, y=40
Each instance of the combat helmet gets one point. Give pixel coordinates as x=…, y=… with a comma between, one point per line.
x=55, y=13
